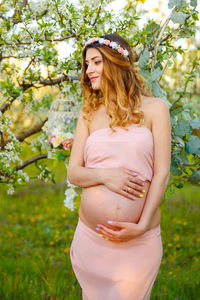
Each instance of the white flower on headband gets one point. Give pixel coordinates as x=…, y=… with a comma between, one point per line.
x=113, y=45
x=101, y=40
x=125, y=53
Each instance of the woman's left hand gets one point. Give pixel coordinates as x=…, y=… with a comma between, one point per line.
x=126, y=231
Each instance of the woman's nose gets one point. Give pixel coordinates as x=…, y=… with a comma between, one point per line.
x=90, y=69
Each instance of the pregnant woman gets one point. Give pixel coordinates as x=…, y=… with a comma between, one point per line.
x=121, y=158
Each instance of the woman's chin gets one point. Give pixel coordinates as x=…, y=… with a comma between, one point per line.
x=95, y=86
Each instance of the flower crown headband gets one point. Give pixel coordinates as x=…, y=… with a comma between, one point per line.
x=111, y=44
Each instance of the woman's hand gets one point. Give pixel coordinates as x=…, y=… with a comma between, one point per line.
x=123, y=182
x=126, y=231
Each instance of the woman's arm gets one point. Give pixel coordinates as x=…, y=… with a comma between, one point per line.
x=77, y=173
x=161, y=130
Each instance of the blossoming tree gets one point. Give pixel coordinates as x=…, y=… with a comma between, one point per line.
x=33, y=73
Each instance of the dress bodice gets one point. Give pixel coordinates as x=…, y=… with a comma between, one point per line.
x=132, y=149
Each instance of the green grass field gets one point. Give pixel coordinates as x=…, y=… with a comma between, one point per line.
x=36, y=233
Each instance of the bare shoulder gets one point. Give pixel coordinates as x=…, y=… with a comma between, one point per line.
x=154, y=106
x=153, y=102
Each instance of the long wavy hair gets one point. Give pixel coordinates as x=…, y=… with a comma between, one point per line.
x=119, y=75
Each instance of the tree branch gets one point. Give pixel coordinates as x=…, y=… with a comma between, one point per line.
x=4, y=175
x=159, y=40
x=163, y=40
x=10, y=56
x=5, y=105
x=60, y=16
x=30, y=62
x=59, y=80
x=23, y=135
x=19, y=43
x=50, y=82
x=2, y=139
x=185, y=88
x=2, y=17
x=30, y=161
x=41, y=41
x=59, y=39
x=99, y=10
x=45, y=82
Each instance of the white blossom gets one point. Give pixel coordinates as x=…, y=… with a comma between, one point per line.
x=10, y=189
x=10, y=146
x=70, y=194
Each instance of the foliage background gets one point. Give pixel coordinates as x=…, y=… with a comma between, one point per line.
x=36, y=228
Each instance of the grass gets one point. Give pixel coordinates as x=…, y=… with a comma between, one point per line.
x=37, y=230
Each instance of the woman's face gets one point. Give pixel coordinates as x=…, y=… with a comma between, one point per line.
x=94, y=62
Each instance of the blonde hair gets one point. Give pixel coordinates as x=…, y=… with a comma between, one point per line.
x=120, y=75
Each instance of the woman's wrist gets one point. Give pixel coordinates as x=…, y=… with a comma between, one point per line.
x=100, y=175
x=143, y=225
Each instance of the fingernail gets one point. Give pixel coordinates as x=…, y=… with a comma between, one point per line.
x=143, y=184
x=109, y=222
x=134, y=198
x=141, y=196
x=98, y=225
x=100, y=235
x=106, y=239
x=134, y=173
x=143, y=191
x=97, y=229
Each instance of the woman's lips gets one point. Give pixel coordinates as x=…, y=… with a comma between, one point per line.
x=93, y=78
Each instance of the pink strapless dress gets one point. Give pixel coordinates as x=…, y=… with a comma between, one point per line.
x=117, y=271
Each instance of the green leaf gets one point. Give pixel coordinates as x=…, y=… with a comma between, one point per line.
x=144, y=73
x=180, y=141
x=193, y=3
x=178, y=3
x=60, y=156
x=153, y=27
x=144, y=58
x=195, y=177
x=179, y=17
x=157, y=91
x=186, y=115
x=155, y=74
x=182, y=128
x=195, y=124
x=176, y=111
x=193, y=146
x=171, y=4
x=179, y=185
x=183, y=158
x=174, y=168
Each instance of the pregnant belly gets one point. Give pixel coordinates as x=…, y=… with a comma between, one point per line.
x=99, y=204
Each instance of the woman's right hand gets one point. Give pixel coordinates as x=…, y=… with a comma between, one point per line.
x=123, y=182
